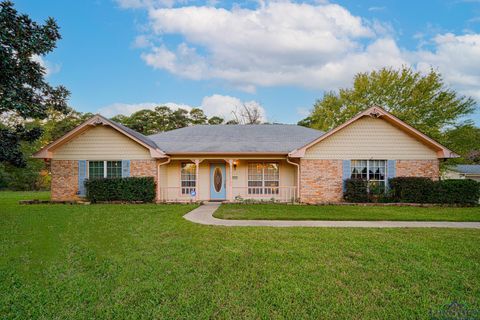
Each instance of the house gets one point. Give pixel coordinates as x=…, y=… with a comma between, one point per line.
x=228, y=162
x=463, y=171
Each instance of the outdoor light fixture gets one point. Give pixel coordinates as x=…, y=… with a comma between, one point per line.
x=235, y=165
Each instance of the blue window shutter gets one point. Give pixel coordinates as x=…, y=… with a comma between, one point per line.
x=82, y=175
x=346, y=172
x=125, y=168
x=391, y=169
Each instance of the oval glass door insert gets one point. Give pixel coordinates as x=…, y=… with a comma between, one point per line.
x=217, y=179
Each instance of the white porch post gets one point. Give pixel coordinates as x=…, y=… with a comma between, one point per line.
x=197, y=189
x=230, y=178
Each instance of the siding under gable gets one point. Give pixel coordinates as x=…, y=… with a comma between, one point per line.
x=101, y=143
x=370, y=138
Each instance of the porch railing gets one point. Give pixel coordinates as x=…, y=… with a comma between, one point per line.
x=280, y=194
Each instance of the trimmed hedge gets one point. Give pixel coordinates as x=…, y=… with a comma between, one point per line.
x=425, y=190
x=121, y=189
x=356, y=190
x=416, y=190
x=412, y=189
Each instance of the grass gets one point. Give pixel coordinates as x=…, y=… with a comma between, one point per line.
x=371, y=213
x=146, y=261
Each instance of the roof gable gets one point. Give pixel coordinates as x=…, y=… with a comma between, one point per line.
x=377, y=112
x=97, y=120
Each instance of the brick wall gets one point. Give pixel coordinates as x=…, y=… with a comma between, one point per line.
x=418, y=168
x=143, y=168
x=64, y=179
x=320, y=181
x=65, y=176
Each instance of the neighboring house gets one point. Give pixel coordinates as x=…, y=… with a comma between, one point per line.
x=463, y=171
x=228, y=162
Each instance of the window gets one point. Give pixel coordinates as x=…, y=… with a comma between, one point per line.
x=104, y=169
x=114, y=169
x=263, y=178
x=372, y=170
x=96, y=169
x=188, y=178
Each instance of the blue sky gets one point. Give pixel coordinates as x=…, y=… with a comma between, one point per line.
x=125, y=55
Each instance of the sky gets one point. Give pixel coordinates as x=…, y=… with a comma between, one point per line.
x=120, y=56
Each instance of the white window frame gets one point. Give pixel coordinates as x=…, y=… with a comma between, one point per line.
x=186, y=191
x=104, y=167
x=263, y=189
x=384, y=180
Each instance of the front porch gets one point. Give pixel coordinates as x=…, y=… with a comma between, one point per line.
x=227, y=179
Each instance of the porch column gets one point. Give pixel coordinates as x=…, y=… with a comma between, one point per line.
x=197, y=189
x=230, y=178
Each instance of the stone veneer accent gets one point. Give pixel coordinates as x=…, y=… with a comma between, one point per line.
x=418, y=168
x=64, y=179
x=320, y=181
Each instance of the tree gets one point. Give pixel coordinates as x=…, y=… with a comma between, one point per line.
x=215, y=120
x=421, y=100
x=23, y=89
x=247, y=114
x=465, y=140
x=197, y=116
x=179, y=119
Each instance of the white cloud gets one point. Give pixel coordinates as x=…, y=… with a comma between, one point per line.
x=141, y=41
x=225, y=106
x=129, y=108
x=456, y=57
x=271, y=45
x=378, y=8
x=279, y=43
x=50, y=68
x=214, y=105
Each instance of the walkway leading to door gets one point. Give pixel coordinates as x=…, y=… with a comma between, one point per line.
x=204, y=215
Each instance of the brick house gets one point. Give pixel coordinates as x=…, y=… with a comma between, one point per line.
x=228, y=162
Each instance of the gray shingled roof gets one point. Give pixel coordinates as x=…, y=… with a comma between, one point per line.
x=269, y=138
x=467, y=168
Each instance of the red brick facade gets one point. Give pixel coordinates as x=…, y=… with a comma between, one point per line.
x=320, y=181
x=143, y=168
x=64, y=179
x=65, y=176
x=418, y=168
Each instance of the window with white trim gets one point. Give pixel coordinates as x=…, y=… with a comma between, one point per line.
x=104, y=169
x=188, y=178
x=263, y=178
x=374, y=171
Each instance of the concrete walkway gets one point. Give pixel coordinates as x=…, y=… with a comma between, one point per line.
x=203, y=215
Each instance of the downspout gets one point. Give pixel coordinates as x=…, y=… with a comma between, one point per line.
x=158, y=176
x=298, y=176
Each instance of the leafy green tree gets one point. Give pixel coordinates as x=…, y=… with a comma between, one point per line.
x=143, y=121
x=23, y=89
x=179, y=119
x=215, y=120
x=464, y=140
x=421, y=100
x=197, y=116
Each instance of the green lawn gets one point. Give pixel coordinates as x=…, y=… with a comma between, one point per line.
x=300, y=212
x=146, y=261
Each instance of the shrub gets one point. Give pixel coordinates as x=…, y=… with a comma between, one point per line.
x=425, y=190
x=356, y=190
x=411, y=189
x=121, y=189
x=461, y=191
